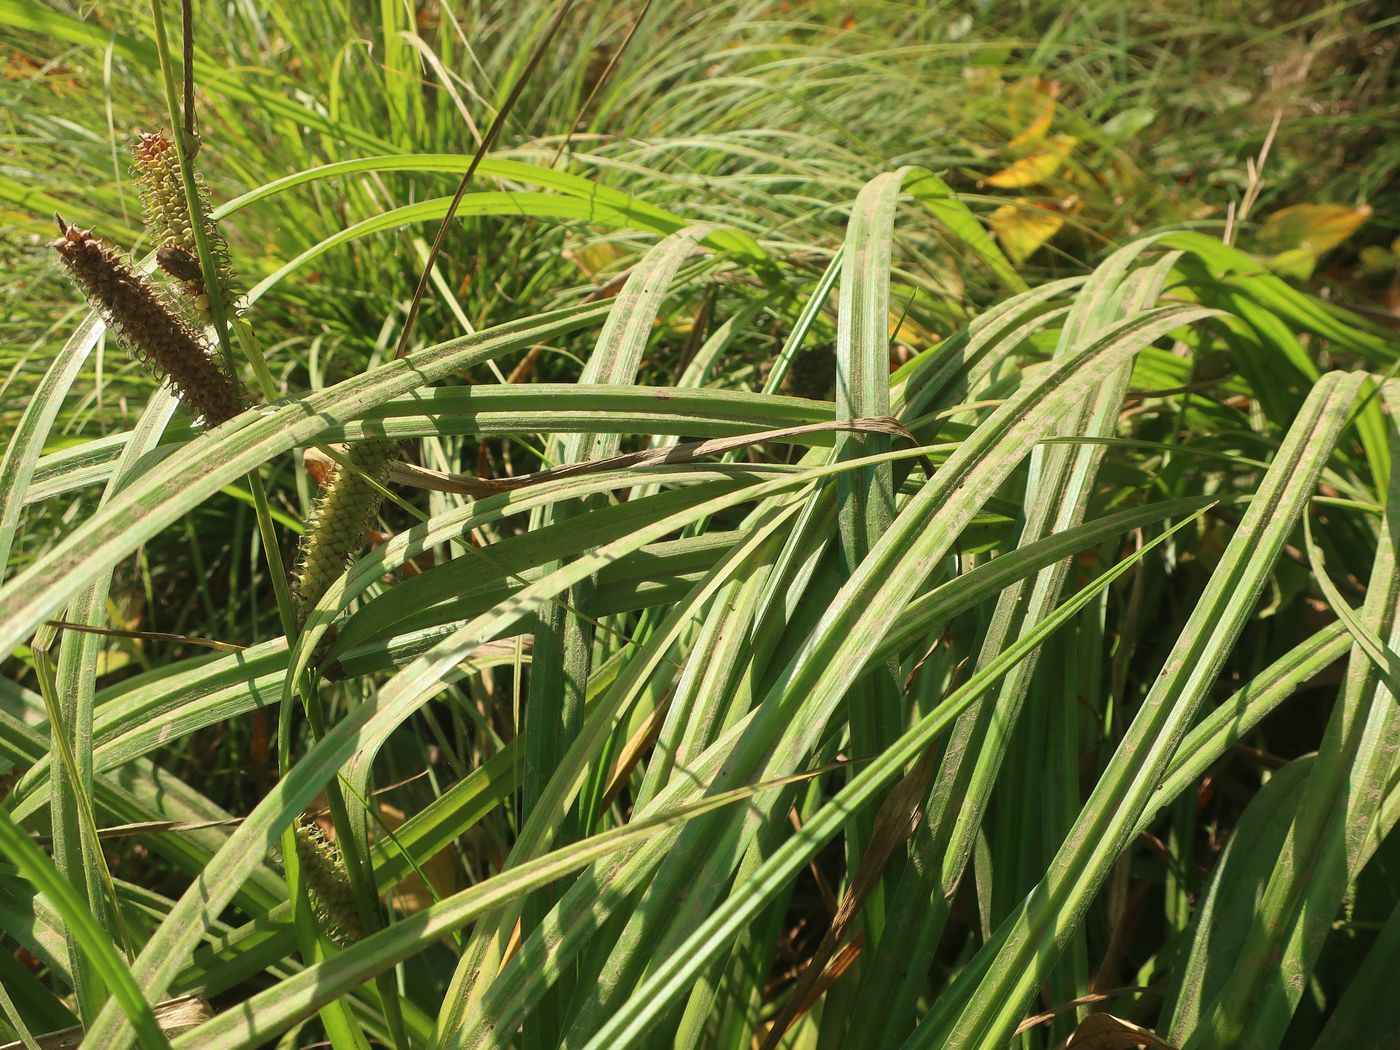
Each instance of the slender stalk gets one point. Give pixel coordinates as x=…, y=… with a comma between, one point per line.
x=184, y=153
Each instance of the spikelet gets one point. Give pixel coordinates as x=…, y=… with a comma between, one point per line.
x=327, y=884
x=144, y=322
x=157, y=171
x=335, y=531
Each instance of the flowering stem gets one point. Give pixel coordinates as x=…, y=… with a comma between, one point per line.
x=197, y=222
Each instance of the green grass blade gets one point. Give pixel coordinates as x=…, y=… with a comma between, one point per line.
x=988, y=1000
x=110, y=967
x=1328, y=828
x=23, y=449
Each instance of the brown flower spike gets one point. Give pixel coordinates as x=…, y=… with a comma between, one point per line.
x=144, y=322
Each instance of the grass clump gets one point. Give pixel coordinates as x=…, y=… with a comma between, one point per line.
x=891, y=542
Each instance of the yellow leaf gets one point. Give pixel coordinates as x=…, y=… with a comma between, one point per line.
x=1031, y=105
x=1023, y=227
x=594, y=257
x=1039, y=125
x=1315, y=228
x=1036, y=166
x=905, y=330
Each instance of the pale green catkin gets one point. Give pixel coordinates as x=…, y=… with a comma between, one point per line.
x=144, y=322
x=335, y=531
x=163, y=203
x=327, y=884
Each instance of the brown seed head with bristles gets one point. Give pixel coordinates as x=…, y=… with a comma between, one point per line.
x=144, y=322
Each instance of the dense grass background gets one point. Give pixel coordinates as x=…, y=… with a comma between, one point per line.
x=1067, y=697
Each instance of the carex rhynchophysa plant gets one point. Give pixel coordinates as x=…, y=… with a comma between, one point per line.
x=738, y=631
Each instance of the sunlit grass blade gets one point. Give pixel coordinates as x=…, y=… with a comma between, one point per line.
x=77, y=857
x=989, y=998
x=1334, y=816
x=26, y=443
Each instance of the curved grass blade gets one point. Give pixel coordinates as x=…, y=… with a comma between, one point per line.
x=647, y=216
x=26, y=444
x=77, y=857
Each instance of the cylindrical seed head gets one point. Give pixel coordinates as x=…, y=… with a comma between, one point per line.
x=167, y=215
x=335, y=530
x=146, y=325
x=327, y=884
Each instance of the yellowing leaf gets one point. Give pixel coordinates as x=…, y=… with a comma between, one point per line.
x=1315, y=228
x=1039, y=124
x=1023, y=227
x=1030, y=104
x=1034, y=167
x=905, y=330
x=594, y=257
